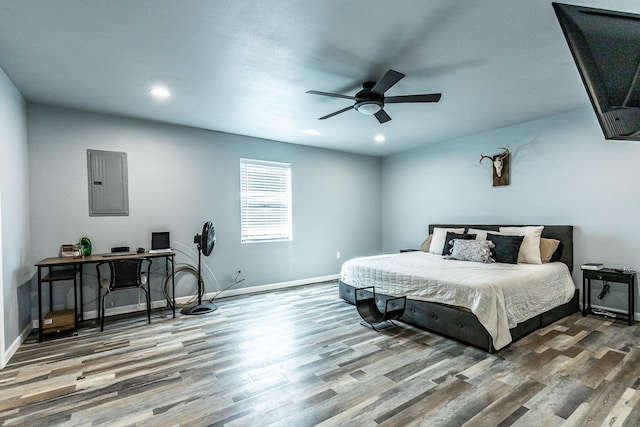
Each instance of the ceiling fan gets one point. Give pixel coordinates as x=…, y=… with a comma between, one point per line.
x=370, y=100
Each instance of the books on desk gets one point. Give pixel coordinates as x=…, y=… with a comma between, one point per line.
x=592, y=266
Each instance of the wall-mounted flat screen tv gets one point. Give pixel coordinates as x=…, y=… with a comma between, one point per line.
x=606, y=48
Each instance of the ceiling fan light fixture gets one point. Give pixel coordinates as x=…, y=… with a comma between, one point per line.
x=368, y=108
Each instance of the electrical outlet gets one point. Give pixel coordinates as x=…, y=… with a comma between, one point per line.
x=338, y=255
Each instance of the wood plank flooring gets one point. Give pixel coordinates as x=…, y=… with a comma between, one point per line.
x=299, y=357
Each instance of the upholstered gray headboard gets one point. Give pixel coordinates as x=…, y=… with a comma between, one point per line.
x=564, y=233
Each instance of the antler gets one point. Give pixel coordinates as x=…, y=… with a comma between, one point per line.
x=482, y=157
x=505, y=153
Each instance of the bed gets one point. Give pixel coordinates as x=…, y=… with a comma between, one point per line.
x=484, y=322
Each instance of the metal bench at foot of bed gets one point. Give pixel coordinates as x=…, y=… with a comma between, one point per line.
x=369, y=311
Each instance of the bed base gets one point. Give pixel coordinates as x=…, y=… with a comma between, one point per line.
x=460, y=324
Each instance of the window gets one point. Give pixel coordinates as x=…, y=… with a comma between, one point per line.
x=265, y=201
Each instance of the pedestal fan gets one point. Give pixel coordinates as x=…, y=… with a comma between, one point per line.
x=205, y=241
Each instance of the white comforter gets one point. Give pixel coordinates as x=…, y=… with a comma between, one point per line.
x=500, y=295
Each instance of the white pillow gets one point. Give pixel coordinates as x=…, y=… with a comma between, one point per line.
x=481, y=234
x=439, y=236
x=530, y=247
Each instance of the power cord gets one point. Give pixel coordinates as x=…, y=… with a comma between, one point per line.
x=235, y=282
x=178, y=269
x=605, y=290
x=192, y=255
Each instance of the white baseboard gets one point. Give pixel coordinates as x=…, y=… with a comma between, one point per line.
x=124, y=309
x=274, y=286
x=16, y=344
x=131, y=308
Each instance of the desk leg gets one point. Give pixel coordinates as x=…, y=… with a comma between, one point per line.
x=81, y=295
x=173, y=284
x=75, y=300
x=50, y=294
x=39, y=304
x=98, y=293
x=632, y=288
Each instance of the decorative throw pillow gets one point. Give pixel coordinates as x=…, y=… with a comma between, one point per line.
x=427, y=243
x=480, y=233
x=506, y=248
x=530, y=248
x=449, y=240
x=557, y=255
x=548, y=247
x=439, y=236
x=471, y=250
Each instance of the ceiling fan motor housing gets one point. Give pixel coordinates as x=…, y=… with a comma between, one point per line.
x=368, y=102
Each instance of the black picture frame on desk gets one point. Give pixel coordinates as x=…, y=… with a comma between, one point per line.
x=627, y=278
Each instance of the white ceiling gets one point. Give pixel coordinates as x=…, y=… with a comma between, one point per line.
x=244, y=66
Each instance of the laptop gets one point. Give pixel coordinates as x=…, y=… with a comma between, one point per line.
x=160, y=242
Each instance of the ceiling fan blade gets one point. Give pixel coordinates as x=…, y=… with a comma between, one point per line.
x=336, y=113
x=382, y=116
x=389, y=79
x=431, y=97
x=333, y=95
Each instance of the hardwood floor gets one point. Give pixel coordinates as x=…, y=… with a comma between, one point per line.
x=299, y=357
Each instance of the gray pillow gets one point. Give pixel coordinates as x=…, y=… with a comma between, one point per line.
x=450, y=238
x=471, y=250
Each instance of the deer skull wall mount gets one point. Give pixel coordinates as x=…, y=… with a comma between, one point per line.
x=500, y=163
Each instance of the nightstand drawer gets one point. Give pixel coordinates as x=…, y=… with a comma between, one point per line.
x=604, y=275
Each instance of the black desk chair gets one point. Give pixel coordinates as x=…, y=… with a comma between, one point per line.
x=371, y=314
x=125, y=274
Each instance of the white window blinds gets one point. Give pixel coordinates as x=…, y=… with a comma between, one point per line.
x=265, y=201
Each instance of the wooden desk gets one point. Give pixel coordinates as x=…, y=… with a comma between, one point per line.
x=68, y=268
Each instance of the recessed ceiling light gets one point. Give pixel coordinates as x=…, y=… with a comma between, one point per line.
x=379, y=138
x=160, y=92
x=313, y=132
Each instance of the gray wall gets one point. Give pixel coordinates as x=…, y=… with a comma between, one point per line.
x=179, y=178
x=562, y=172
x=15, y=257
